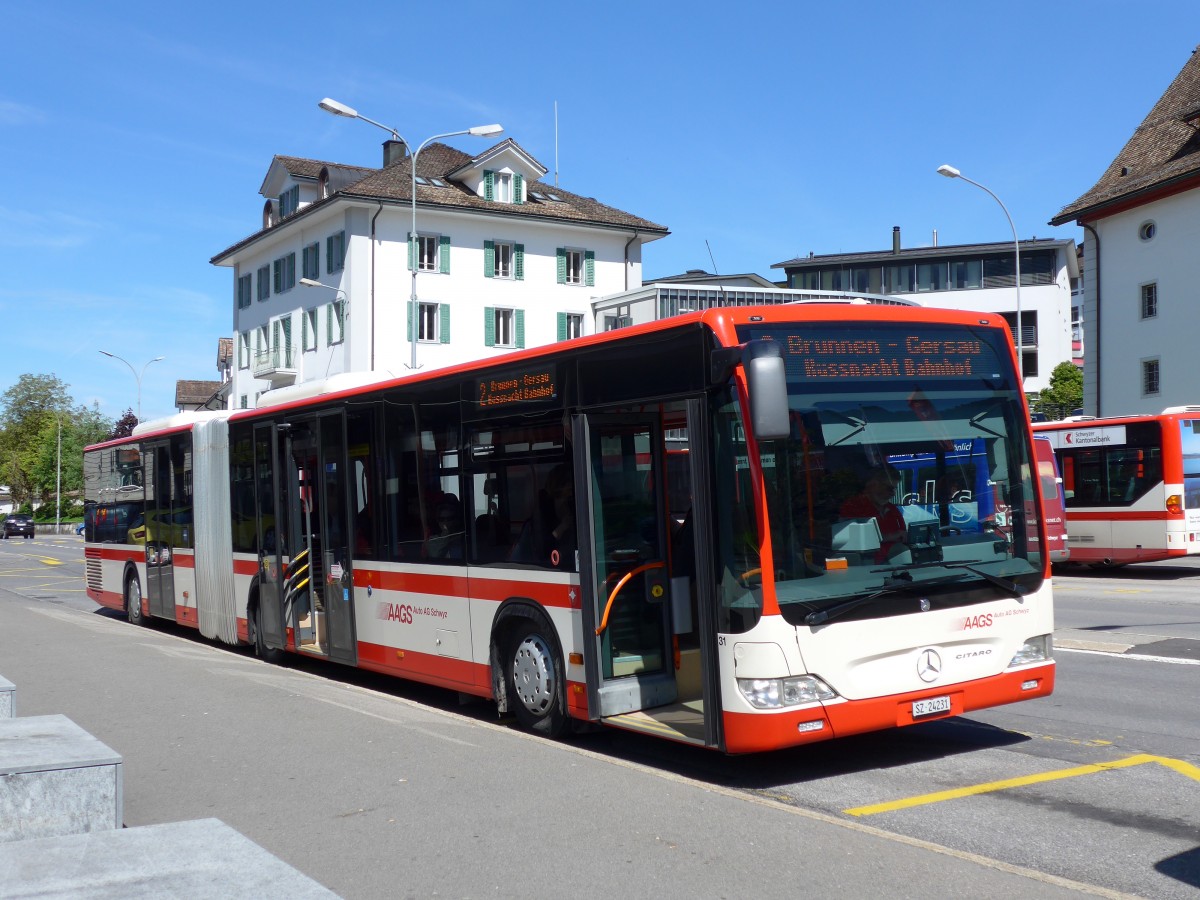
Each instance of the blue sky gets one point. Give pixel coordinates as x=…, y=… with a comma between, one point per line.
x=134, y=136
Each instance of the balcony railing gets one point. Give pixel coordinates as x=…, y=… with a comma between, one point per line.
x=276, y=364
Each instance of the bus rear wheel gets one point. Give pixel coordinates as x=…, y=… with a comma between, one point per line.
x=271, y=655
x=133, y=600
x=536, y=681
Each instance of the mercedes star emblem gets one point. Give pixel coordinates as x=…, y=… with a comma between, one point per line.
x=929, y=665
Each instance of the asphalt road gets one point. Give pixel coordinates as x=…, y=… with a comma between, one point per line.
x=380, y=788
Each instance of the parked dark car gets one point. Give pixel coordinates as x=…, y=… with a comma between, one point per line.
x=18, y=524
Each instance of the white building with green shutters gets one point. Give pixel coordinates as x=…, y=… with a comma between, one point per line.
x=503, y=261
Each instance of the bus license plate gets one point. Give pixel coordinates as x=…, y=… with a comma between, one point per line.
x=930, y=706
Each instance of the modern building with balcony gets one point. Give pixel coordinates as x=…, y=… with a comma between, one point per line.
x=975, y=277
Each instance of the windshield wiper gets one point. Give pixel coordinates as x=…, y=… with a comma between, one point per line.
x=901, y=584
x=1006, y=584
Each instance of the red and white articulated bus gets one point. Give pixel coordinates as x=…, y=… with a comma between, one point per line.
x=527, y=530
x=1131, y=485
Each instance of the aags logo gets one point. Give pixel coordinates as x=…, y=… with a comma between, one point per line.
x=981, y=621
x=396, y=612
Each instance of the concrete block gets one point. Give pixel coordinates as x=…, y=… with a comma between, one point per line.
x=198, y=860
x=8, y=698
x=56, y=779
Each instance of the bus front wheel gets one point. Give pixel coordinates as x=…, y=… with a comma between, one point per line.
x=536, y=681
x=271, y=655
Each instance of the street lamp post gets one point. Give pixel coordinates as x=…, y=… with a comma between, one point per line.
x=340, y=109
x=951, y=172
x=136, y=375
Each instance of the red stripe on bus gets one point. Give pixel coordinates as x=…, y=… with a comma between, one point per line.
x=755, y=732
x=245, y=567
x=120, y=554
x=441, y=671
x=459, y=585
x=1160, y=515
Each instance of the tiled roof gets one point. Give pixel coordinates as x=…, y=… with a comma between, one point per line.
x=311, y=168
x=394, y=183
x=224, y=351
x=195, y=393
x=1164, y=149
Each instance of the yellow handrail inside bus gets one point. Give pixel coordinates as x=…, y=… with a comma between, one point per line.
x=645, y=567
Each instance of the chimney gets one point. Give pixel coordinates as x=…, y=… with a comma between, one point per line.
x=935, y=237
x=393, y=152
x=896, y=240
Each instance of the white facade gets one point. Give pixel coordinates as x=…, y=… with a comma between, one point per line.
x=511, y=272
x=1140, y=274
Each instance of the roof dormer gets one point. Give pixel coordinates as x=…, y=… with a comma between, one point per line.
x=499, y=175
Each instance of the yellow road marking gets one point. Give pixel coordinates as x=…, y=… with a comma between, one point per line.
x=1183, y=768
x=48, y=561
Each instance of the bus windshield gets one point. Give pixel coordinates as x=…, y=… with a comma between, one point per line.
x=906, y=474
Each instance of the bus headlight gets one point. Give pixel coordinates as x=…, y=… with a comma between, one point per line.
x=1037, y=649
x=774, y=693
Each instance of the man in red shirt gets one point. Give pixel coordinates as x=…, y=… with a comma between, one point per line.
x=875, y=502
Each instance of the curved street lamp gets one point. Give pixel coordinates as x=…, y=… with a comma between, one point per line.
x=335, y=108
x=136, y=375
x=951, y=172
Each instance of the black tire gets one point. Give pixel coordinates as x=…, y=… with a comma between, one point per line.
x=272, y=655
x=536, y=683
x=133, y=600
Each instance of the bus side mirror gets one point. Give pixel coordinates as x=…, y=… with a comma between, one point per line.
x=766, y=379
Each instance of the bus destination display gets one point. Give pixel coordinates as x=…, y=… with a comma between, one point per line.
x=823, y=353
x=525, y=386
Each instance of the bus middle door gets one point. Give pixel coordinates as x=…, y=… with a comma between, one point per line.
x=157, y=529
x=623, y=557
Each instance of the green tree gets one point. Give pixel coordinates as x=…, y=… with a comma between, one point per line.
x=1064, y=393
x=26, y=409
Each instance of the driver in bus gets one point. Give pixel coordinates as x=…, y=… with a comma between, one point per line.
x=876, y=502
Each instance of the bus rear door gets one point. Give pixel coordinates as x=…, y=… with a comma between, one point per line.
x=1054, y=514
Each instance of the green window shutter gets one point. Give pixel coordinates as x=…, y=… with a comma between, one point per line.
x=562, y=326
x=329, y=325
x=444, y=326
x=562, y=265
x=519, y=262
x=408, y=320
x=489, y=260
x=304, y=329
x=589, y=267
x=489, y=185
x=277, y=268
x=412, y=252
x=329, y=254
x=489, y=326
x=287, y=342
x=518, y=193
x=316, y=260
x=520, y=328
x=444, y=254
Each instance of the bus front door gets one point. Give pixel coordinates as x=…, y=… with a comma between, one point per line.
x=624, y=564
x=320, y=581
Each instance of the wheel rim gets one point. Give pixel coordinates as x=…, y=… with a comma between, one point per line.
x=135, y=598
x=533, y=674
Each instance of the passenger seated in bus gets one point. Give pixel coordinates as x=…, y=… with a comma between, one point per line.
x=548, y=538
x=447, y=541
x=492, y=537
x=875, y=502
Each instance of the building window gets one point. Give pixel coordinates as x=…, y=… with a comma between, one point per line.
x=335, y=252
x=1150, y=300
x=503, y=259
x=312, y=262
x=1147, y=230
x=264, y=283
x=308, y=330
x=244, y=401
x=808, y=280
x=504, y=327
x=1150, y=377
x=899, y=279
x=576, y=266
x=243, y=291
x=289, y=201
x=966, y=273
x=612, y=323
x=427, y=253
x=931, y=276
x=335, y=322
x=433, y=323
x=285, y=273
x=244, y=350
x=570, y=325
